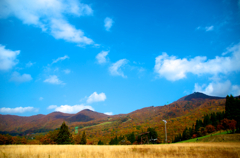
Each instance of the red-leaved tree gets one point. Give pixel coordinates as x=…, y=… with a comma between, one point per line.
x=228, y=125
x=210, y=128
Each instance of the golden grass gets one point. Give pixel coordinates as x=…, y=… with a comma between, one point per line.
x=184, y=150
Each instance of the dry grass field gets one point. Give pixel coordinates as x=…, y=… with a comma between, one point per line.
x=184, y=150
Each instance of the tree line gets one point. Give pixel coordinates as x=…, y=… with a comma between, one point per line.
x=58, y=136
x=228, y=120
x=148, y=137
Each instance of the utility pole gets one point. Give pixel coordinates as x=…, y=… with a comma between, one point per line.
x=165, y=130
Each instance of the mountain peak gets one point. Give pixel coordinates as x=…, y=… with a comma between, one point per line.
x=198, y=95
x=87, y=110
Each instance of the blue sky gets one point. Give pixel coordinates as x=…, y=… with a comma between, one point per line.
x=115, y=57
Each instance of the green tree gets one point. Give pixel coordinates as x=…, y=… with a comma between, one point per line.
x=206, y=120
x=115, y=141
x=214, y=119
x=64, y=136
x=83, y=139
x=152, y=133
x=232, y=110
x=131, y=137
x=186, y=134
x=229, y=105
x=178, y=138
x=220, y=116
x=120, y=139
x=198, y=125
x=237, y=113
x=9, y=139
x=100, y=142
x=111, y=142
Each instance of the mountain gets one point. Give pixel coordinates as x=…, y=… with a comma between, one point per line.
x=9, y=121
x=178, y=114
x=86, y=115
x=42, y=123
x=198, y=95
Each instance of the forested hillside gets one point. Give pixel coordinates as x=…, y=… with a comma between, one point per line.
x=179, y=115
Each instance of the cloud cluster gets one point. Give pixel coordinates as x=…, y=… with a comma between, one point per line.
x=108, y=113
x=66, y=71
x=108, y=23
x=16, y=77
x=49, y=15
x=218, y=88
x=101, y=57
x=96, y=97
x=207, y=28
x=53, y=80
x=29, y=64
x=17, y=110
x=60, y=59
x=7, y=58
x=115, y=68
x=70, y=109
x=173, y=68
x=52, y=107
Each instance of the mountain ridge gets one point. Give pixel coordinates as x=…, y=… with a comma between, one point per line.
x=86, y=117
x=198, y=95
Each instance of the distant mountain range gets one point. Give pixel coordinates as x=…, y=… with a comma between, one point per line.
x=192, y=107
x=41, y=123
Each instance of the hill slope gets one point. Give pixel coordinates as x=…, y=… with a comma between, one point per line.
x=222, y=138
x=179, y=114
x=41, y=123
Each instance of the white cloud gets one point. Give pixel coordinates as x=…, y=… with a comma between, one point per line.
x=41, y=98
x=207, y=28
x=115, y=69
x=17, y=110
x=218, y=88
x=61, y=29
x=52, y=107
x=70, y=109
x=83, y=99
x=7, y=58
x=174, y=69
x=96, y=97
x=16, y=77
x=234, y=48
x=29, y=64
x=101, y=57
x=108, y=23
x=66, y=71
x=60, y=58
x=108, y=113
x=236, y=90
x=49, y=15
x=53, y=80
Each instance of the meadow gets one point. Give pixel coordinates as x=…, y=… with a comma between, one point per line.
x=182, y=150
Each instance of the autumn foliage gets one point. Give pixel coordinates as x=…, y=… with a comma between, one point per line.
x=186, y=119
x=210, y=128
